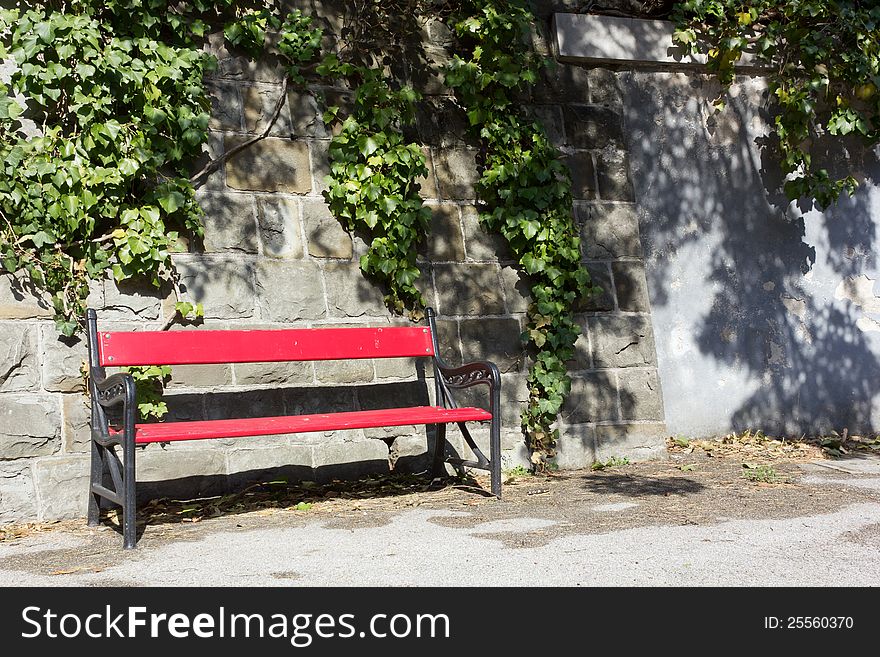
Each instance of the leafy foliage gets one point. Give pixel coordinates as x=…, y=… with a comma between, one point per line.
x=104, y=114
x=824, y=58
x=372, y=181
x=149, y=383
x=525, y=193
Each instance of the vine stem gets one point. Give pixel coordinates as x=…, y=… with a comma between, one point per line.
x=214, y=164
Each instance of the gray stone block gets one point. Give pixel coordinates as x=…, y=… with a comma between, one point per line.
x=517, y=455
x=63, y=359
x=393, y=395
x=611, y=39
x=229, y=221
x=75, y=430
x=440, y=122
x=563, y=82
x=157, y=463
x=425, y=284
x=279, y=223
x=456, y=172
x=225, y=105
x=244, y=404
x=280, y=373
x=259, y=104
x=320, y=155
x=411, y=453
x=603, y=86
x=448, y=341
x=18, y=499
x=517, y=290
x=200, y=376
x=269, y=165
x=469, y=289
x=30, y=425
x=550, y=118
x=224, y=286
x=593, y=398
x=612, y=173
x=265, y=69
x=344, y=371
x=426, y=75
x=445, y=242
x=576, y=447
x=19, y=370
x=211, y=150
x=640, y=397
x=350, y=459
x=62, y=485
x=399, y=368
x=494, y=339
x=631, y=286
x=323, y=399
x=480, y=243
x=608, y=231
x=600, y=275
x=18, y=300
x=622, y=341
x=289, y=291
x=326, y=236
x=183, y=407
x=131, y=300
x=637, y=442
x=350, y=293
x=583, y=175
x=592, y=126
x=514, y=398
x=305, y=115
x=269, y=458
x=428, y=184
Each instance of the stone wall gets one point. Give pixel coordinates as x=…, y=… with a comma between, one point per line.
x=274, y=257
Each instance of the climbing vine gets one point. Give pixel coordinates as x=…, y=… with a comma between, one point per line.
x=525, y=195
x=373, y=184
x=823, y=60
x=100, y=122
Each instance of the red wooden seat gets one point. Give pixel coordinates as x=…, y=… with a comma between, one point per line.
x=267, y=426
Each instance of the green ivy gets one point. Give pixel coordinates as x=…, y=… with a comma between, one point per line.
x=105, y=113
x=525, y=195
x=823, y=60
x=372, y=185
x=149, y=383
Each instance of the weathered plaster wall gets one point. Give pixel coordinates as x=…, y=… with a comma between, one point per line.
x=765, y=313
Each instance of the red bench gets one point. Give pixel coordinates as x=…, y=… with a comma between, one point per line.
x=133, y=348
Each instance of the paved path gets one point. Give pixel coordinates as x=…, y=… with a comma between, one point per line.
x=521, y=545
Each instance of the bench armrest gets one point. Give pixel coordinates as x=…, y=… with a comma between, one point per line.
x=469, y=374
x=115, y=389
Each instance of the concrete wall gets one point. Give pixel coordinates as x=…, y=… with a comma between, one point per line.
x=274, y=257
x=765, y=313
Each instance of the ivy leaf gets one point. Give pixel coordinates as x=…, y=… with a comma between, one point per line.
x=172, y=201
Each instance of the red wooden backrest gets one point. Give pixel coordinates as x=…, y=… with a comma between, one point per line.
x=120, y=348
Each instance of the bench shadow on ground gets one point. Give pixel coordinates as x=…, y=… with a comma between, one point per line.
x=631, y=485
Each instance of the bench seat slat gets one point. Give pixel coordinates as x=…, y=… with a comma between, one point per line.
x=265, y=426
x=121, y=348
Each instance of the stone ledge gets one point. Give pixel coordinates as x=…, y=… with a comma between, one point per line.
x=589, y=39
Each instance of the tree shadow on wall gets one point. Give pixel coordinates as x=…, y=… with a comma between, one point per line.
x=709, y=207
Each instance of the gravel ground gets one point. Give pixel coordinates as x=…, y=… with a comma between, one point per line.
x=691, y=520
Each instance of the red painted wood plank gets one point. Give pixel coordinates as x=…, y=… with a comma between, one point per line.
x=266, y=426
x=120, y=348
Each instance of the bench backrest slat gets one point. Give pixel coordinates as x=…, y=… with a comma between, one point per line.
x=196, y=347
